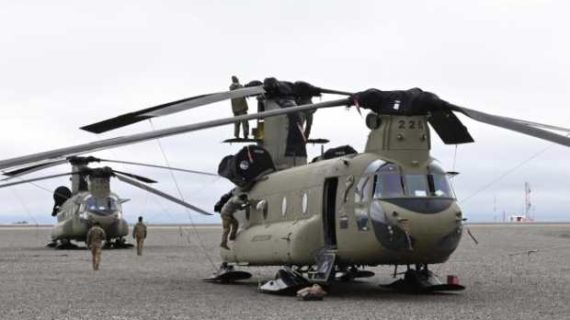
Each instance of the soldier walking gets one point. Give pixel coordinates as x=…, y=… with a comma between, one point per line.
x=139, y=233
x=239, y=107
x=95, y=237
x=229, y=222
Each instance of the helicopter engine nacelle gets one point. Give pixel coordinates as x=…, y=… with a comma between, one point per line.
x=60, y=195
x=250, y=163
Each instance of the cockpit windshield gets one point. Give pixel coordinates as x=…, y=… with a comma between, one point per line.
x=101, y=206
x=389, y=182
x=439, y=182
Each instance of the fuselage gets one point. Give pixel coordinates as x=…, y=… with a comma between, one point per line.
x=79, y=212
x=370, y=211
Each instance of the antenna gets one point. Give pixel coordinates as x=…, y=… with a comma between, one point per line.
x=527, y=202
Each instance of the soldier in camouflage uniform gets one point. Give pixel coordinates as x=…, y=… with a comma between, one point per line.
x=239, y=107
x=139, y=233
x=95, y=237
x=234, y=204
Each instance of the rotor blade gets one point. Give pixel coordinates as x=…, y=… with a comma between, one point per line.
x=168, y=108
x=126, y=140
x=449, y=128
x=26, y=170
x=134, y=176
x=207, y=99
x=512, y=124
x=160, y=167
x=342, y=93
x=36, y=179
x=539, y=125
x=160, y=193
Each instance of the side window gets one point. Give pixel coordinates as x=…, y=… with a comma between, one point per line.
x=362, y=197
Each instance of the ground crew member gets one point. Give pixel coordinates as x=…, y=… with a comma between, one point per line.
x=229, y=222
x=95, y=237
x=306, y=116
x=239, y=107
x=139, y=233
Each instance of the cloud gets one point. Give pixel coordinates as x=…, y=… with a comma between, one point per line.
x=67, y=64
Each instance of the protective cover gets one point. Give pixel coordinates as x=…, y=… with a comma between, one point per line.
x=415, y=102
x=295, y=136
x=338, y=152
x=60, y=195
x=223, y=199
x=250, y=163
x=285, y=89
x=410, y=102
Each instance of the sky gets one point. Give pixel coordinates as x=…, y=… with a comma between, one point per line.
x=65, y=64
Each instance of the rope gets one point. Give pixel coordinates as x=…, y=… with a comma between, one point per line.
x=200, y=243
x=454, y=158
x=28, y=212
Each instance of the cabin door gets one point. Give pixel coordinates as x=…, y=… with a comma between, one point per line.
x=329, y=211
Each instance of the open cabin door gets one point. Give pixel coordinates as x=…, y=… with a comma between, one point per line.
x=329, y=212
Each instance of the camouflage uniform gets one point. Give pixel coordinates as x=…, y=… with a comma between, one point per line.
x=239, y=107
x=95, y=237
x=228, y=220
x=139, y=233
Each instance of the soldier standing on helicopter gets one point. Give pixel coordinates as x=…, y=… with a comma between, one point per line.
x=239, y=107
x=95, y=237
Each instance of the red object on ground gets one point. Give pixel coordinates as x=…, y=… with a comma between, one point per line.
x=451, y=279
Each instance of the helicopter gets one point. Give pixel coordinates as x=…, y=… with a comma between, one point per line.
x=90, y=199
x=389, y=205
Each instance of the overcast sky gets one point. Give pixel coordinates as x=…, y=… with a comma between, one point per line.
x=64, y=64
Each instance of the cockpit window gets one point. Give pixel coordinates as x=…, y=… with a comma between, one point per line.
x=388, y=182
x=103, y=206
x=416, y=185
x=439, y=183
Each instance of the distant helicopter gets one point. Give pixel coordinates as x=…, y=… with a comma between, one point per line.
x=326, y=220
x=90, y=199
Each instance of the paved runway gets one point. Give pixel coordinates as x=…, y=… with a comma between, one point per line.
x=503, y=281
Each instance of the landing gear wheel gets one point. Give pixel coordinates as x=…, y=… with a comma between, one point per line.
x=227, y=274
x=287, y=281
x=66, y=244
x=421, y=280
x=121, y=243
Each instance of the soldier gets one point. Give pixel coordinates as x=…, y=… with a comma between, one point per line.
x=139, y=233
x=229, y=222
x=95, y=237
x=239, y=107
x=306, y=116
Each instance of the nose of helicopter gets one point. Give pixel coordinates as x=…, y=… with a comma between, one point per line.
x=428, y=227
x=104, y=220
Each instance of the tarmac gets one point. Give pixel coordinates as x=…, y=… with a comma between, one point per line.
x=517, y=271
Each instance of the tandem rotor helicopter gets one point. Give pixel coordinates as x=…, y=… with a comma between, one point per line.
x=90, y=199
x=391, y=204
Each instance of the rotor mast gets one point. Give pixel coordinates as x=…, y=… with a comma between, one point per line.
x=403, y=139
x=99, y=182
